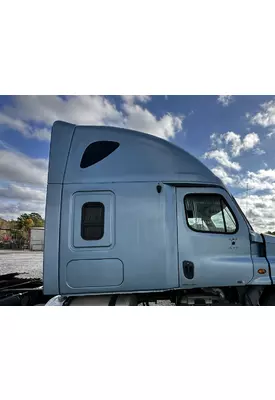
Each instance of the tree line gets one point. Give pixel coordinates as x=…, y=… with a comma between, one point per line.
x=19, y=228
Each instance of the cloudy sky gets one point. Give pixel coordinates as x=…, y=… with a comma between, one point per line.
x=233, y=135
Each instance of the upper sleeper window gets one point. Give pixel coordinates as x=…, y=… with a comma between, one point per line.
x=92, y=221
x=96, y=152
x=209, y=213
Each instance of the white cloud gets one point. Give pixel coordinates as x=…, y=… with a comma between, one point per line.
x=19, y=168
x=266, y=174
x=12, y=209
x=271, y=133
x=228, y=145
x=33, y=115
x=223, y=175
x=250, y=141
x=17, y=199
x=258, y=207
x=24, y=128
x=238, y=145
x=26, y=187
x=13, y=123
x=265, y=117
x=260, y=210
x=216, y=140
x=259, y=152
x=235, y=140
x=225, y=100
x=74, y=109
x=141, y=119
x=222, y=158
x=138, y=98
x=261, y=180
x=41, y=134
x=24, y=193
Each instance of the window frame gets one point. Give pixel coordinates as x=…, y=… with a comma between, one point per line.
x=221, y=199
x=92, y=225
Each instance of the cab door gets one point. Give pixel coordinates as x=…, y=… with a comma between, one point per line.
x=213, y=239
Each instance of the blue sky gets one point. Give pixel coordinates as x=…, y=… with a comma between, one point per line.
x=233, y=135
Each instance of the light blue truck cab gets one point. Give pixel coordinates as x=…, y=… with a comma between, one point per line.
x=129, y=215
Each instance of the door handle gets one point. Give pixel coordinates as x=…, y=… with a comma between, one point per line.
x=188, y=269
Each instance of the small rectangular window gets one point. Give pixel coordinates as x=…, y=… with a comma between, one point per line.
x=209, y=213
x=92, y=221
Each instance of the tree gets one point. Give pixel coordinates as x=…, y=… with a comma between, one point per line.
x=3, y=228
x=26, y=221
x=37, y=219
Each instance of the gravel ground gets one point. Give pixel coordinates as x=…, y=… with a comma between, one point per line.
x=24, y=262
x=29, y=264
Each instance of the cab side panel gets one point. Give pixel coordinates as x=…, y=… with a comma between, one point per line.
x=138, y=249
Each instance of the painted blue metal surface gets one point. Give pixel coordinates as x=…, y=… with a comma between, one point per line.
x=97, y=272
x=61, y=137
x=143, y=237
x=146, y=237
x=139, y=158
x=259, y=262
x=270, y=251
x=217, y=262
x=51, y=241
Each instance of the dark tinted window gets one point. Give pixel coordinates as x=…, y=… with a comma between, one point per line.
x=96, y=152
x=209, y=213
x=92, y=221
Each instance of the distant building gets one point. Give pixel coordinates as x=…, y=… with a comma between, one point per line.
x=37, y=238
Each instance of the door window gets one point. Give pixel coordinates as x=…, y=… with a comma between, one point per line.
x=209, y=213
